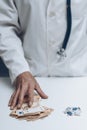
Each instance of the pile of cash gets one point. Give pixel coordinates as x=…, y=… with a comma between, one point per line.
x=35, y=112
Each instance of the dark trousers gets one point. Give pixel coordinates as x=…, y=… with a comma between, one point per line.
x=3, y=69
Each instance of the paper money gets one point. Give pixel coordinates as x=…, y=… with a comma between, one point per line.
x=30, y=114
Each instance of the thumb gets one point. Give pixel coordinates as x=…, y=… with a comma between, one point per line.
x=40, y=92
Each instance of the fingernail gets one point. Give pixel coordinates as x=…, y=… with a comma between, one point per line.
x=9, y=104
x=19, y=105
x=30, y=104
x=11, y=108
x=46, y=96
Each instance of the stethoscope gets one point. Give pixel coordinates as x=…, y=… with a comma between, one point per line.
x=62, y=52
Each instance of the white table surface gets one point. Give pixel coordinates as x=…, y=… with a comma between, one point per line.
x=62, y=92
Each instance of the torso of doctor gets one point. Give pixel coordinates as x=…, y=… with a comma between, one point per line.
x=32, y=31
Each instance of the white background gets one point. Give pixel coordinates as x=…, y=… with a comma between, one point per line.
x=62, y=92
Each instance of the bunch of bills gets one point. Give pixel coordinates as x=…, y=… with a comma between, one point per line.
x=31, y=113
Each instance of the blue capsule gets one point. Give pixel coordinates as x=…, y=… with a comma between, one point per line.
x=69, y=113
x=74, y=108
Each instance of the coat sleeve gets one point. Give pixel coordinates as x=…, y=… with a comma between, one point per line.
x=11, y=50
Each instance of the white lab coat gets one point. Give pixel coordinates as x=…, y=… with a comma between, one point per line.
x=32, y=31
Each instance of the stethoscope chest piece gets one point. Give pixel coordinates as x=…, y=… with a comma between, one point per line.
x=61, y=52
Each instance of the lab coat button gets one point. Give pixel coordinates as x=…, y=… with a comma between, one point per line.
x=52, y=42
x=51, y=14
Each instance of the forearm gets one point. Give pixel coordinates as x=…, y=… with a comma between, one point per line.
x=11, y=50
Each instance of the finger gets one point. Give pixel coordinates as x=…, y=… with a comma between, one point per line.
x=21, y=98
x=31, y=95
x=11, y=98
x=14, y=102
x=40, y=92
x=25, y=99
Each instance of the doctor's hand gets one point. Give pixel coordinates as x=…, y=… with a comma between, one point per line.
x=25, y=85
